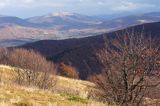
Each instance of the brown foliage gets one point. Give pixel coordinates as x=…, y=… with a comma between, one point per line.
x=32, y=69
x=4, y=55
x=128, y=65
x=68, y=71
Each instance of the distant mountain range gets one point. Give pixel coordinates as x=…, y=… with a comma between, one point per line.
x=80, y=53
x=10, y=21
x=63, y=20
x=122, y=22
x=65, y=25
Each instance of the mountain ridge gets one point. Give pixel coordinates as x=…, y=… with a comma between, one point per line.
x=83, y=49
x=70, y=25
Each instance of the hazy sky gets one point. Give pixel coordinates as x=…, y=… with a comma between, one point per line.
x=27, y=8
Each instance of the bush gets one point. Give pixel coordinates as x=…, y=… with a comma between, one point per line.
x=32, y=69
x=68, y=71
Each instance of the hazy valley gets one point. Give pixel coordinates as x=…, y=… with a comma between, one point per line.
x=71, y=59
x=65, y=25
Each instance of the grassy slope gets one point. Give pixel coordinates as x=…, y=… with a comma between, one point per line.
x=15, y=95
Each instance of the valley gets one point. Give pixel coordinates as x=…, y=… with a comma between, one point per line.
x=84, y=49
x=76, y=59
x=65, y=25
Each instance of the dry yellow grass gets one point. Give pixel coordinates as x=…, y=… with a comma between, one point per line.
x=82, y=87
x=12, y=94
x=152, y=102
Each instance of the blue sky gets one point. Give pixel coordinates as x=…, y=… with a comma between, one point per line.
x=27, y=8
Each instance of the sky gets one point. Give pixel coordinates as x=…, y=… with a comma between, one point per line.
x=28, y=8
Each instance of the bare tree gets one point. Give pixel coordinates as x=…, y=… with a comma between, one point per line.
x=31, y=68
x=4, y=54
x=129, y=62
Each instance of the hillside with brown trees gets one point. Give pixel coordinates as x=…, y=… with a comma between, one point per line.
x=80, y=53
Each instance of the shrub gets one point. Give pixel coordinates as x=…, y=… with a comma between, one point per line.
x=31, y=68
x=68, y=71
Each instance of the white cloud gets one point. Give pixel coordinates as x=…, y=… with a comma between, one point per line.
x=129, y=6
x=112, y=4
x=100, y=3
x=30, y=3
x=81, y=6
x=2, y=5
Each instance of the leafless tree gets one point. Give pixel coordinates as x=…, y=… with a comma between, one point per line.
x=31, y=68
x=129, y=63
x=4, y=54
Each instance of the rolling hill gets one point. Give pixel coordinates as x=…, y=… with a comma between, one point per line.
x=12, y=94
x=80, y=53
x=131, y=20
x=51, y=26
x=63, y=20
x=65, y=25
x=66, y=92
x=10, y=21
